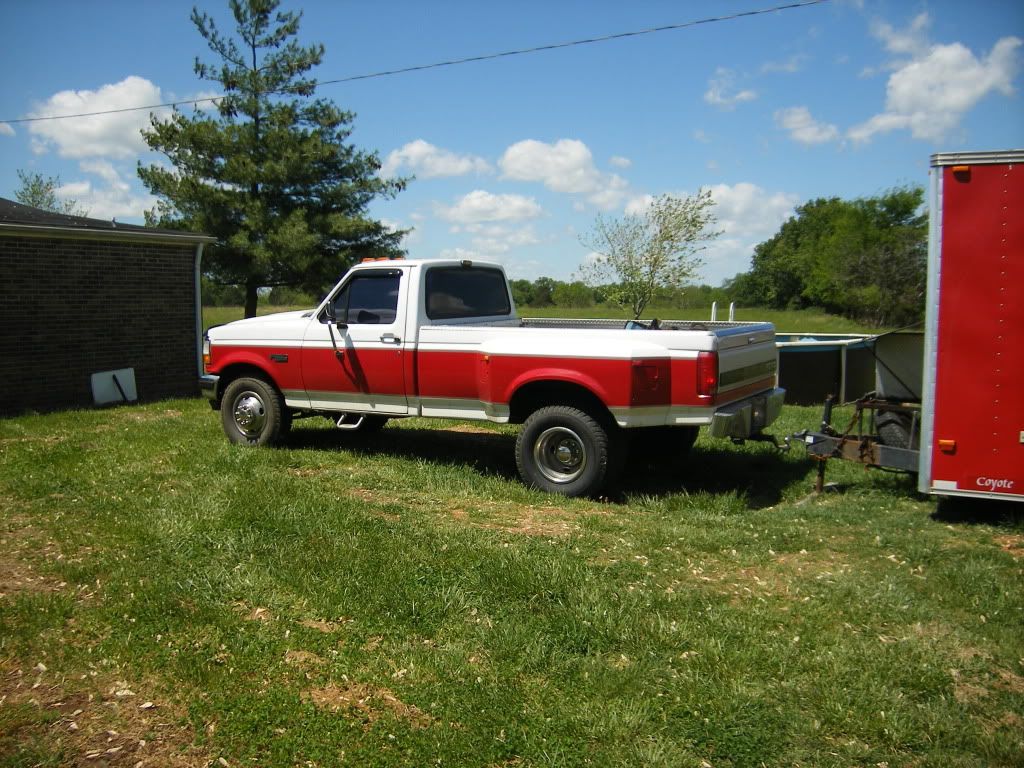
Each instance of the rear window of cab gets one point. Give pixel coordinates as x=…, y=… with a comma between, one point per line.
x=456, y=292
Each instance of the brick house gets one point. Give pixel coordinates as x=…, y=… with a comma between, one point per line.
x=79, y=296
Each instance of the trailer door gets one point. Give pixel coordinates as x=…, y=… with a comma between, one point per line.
x=973, y=430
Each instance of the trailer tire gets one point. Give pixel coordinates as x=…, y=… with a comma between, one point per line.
x=894, y=429
x=564, y=450
x=253, y=412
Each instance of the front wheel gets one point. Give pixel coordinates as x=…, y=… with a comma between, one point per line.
x=252, y=412
x=563, y=450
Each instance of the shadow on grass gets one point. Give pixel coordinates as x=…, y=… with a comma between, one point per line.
x=758, y=473
x=965, y=511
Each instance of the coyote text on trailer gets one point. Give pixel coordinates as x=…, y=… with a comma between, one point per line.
x=972, y=427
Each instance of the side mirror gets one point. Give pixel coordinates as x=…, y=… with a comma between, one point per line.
x=332, y=317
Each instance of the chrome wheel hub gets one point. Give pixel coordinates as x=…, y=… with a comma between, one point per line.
x=250, y=414
x=560, y=454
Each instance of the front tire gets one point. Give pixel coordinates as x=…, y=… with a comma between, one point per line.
x=563, y=450
x=252, y=412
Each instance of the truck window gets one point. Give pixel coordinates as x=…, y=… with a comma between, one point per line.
x=369, y=298
x=454, y=292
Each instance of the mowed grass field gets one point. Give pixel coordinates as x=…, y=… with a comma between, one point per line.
x=400, y=599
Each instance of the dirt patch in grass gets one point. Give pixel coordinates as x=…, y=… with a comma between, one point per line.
x=41, y=439
x=786, y=576
x=470, y=429
x=139, y=416
x=530, y=521
x=307, y=471
x=305, y=660
x=18, y=538
x=320, y=626
x=254, y=613
x=88, y=723
x=1012, y=545
x=526, y=520
x=967, y=690
x=1009, y=681
x=367, y=703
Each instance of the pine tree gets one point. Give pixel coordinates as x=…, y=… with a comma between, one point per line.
x=270, y=174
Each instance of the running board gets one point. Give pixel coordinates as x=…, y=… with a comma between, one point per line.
x=342, y=424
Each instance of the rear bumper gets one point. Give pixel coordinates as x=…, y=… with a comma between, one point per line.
x=747, y=417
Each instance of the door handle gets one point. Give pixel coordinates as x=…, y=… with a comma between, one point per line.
x=390, y=338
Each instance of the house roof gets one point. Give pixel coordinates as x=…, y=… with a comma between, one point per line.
x=16, y=218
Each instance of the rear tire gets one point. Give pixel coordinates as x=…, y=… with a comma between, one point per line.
x=564, y=450
x=252, y=412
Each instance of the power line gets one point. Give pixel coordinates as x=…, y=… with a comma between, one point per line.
x=454, y=62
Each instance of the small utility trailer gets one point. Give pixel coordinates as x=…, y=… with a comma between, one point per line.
x=960, y=424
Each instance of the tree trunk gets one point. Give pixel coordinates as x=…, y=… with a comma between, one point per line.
x=251, y=297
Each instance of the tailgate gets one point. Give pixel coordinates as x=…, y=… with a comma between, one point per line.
x=747, y=361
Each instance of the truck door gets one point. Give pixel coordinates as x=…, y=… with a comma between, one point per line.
x=362, y=368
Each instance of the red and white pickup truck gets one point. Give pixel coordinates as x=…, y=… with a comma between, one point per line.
x=400, y=338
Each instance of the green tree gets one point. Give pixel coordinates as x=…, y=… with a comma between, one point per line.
x=522, y=292
x=658, y=249
x=543, y=291
x=863, y=258
x=575, y=295
x=271, y=174
x=40, y=191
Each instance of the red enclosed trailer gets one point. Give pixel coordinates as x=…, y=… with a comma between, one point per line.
x=972, y=415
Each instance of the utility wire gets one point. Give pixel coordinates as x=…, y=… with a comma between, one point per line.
x=454, y=62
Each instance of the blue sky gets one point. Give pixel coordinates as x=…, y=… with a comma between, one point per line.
x=515, y=157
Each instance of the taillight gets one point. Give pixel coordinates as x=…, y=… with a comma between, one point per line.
x=707, y=374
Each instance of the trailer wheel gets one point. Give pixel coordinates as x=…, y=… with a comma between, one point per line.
x=252, y=412
x=894, y=429
x=564, y=450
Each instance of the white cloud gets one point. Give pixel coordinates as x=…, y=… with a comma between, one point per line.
x=701, y=136
x=107, y=202
x=930, y=94
x=746, y=210
x=496, y=239
x=565, y=166
x=621, y=162
x=106, y=171
x=912, y=41
x=115, y=135
x=804, y=128
x=6, y=130
x=427, y=161
x=747, y=215
x=479, y=206
x=721, y=92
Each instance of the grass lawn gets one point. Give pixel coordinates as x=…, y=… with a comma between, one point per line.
x=803, y=321
x=168, y=599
